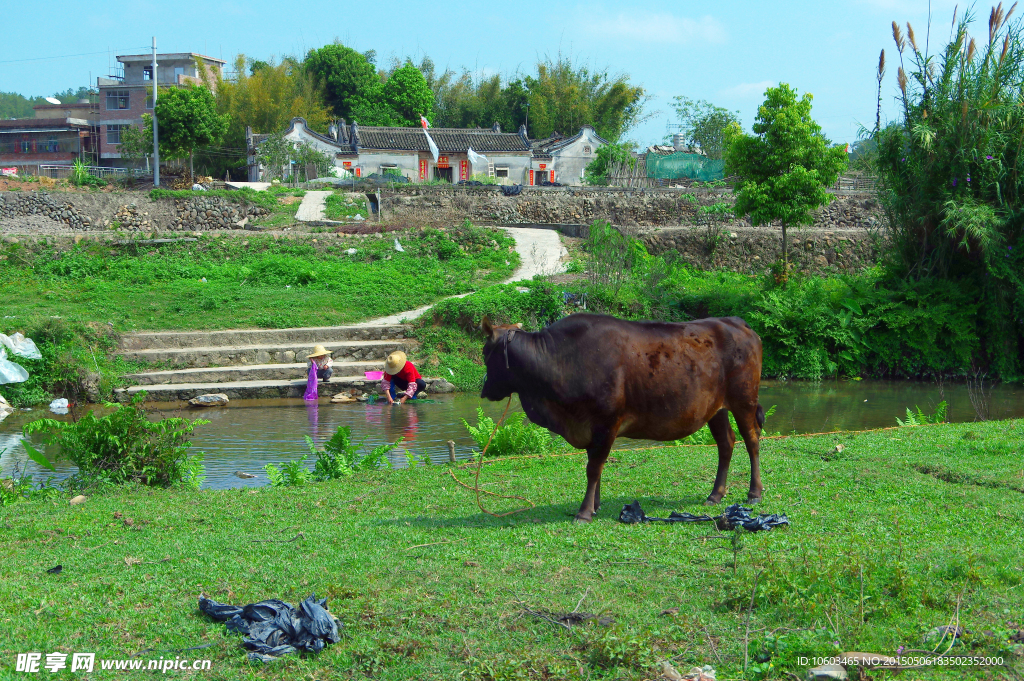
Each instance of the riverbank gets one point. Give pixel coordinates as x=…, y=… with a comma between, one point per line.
x=894, y=535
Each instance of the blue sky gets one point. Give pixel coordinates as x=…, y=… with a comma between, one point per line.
x=726, y=52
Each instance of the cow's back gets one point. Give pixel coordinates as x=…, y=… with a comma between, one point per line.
x=660, y=380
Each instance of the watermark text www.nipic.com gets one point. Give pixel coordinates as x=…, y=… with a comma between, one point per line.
x=34, y=663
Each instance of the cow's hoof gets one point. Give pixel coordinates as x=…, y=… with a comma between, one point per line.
x=712, y=501
x=581, y=518
x=753, y=500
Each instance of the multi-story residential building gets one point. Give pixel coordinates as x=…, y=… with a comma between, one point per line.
x=57, y=135
x=128, y=94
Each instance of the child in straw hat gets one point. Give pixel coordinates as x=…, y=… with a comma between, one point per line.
x=401, y=381
x=321, y=357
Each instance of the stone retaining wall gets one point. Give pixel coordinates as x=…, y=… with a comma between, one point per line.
x=632, y=208
x=213, y=212
x=125, y=211
x=753, y=249
x=13, y=205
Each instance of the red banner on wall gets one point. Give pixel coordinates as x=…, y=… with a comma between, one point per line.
x=552, y=175
x=423, y=168
x=531, y=178
x=463, y=169
x=359, y=172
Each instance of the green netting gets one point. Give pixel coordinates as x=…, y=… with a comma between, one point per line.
x=680, y=165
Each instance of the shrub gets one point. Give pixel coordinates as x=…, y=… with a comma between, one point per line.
x=515, y=437
x=340, y=456
x=125, y=446
x=290, y=474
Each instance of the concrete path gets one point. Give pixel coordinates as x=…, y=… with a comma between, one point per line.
x=312, y=207
x=540, y=252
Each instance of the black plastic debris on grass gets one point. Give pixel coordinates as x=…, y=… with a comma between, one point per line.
x=511, y=189
x=56, y=569
x=735, y=515
x=273, y=628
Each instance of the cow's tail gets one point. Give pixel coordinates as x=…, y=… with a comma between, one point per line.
x=759, y=415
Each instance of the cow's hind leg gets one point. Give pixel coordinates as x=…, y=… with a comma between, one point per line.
x=725, y=438
x=749, y=421
x=597, y=455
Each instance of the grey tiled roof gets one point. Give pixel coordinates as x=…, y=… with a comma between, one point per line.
x=448, y=140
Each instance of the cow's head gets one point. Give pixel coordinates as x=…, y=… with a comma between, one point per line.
x=498, y=384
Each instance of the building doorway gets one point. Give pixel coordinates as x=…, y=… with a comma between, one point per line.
x=540, y=177
x=443, y=174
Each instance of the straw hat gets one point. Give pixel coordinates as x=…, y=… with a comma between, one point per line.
x=318, y=351
x=395, y=362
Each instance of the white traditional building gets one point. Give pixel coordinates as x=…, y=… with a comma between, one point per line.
x=511, y=158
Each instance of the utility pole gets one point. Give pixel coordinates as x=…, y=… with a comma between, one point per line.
x=156, y=136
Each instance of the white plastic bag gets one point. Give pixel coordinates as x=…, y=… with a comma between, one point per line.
x=21, y=346
x=9, y=371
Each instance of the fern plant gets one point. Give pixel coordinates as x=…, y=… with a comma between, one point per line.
x=515, y=437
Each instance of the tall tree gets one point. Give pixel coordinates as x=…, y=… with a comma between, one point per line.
x=703, y=124
x=407, y=94
x=785, y=166
x=348, y=77
x=565, y=96
x=187, y=118
x=269, y=97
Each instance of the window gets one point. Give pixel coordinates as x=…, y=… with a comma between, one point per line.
x=149, y=98
x=501, y=172
x=52, y=145
x=586, y=150
x=178, y=71
x=117, y=99
x=26, y=147
x=147, y=73
x=114, y=133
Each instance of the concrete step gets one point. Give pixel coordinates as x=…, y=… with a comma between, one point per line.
x=266, y=353
x=247, y=372
x=299, y=336
x=238, y=390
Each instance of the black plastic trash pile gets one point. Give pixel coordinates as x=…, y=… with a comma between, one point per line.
x=511, y=189
x=274, y=628
x=735, y=515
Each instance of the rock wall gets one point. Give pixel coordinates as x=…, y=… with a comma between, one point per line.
x=40, y=204
x=127, y=211
x=632, y=208
x=753, y=249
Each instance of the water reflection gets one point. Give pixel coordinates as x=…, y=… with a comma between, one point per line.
x=247, y=435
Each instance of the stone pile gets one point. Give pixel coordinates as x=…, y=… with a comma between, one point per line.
x=44, y=205
x=213, y=212
x=131, y=218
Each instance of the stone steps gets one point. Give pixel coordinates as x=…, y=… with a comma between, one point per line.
x=259, y=363
x=272, y=353
x=246, y=372
x=152, y=340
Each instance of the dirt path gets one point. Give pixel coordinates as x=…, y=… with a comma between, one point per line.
x=540, y=252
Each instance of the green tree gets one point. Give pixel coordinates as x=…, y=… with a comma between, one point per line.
x=565, y=96
x=137, y=141
x=783, y=169
x=187, y=118
x=596, y=172
x=347, y=77
x=407, y=94
x=949, y=167
x=704, y=124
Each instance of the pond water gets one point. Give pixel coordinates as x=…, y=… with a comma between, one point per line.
x=248, y=434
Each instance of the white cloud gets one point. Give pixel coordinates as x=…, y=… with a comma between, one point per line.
x=659, y=28
x=746, y=90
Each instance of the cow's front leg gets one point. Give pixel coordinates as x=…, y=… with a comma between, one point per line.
x=597, y=455
x=721, y=429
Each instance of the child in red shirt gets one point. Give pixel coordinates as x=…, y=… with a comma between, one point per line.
x=400, y=373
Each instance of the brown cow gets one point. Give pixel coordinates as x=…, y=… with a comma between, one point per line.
x=591, y=378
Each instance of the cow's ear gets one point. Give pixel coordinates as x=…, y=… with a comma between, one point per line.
x=519, y=326
x=486, y=327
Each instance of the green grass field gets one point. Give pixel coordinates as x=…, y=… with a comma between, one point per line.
x=902, y=531
x=251, y=281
